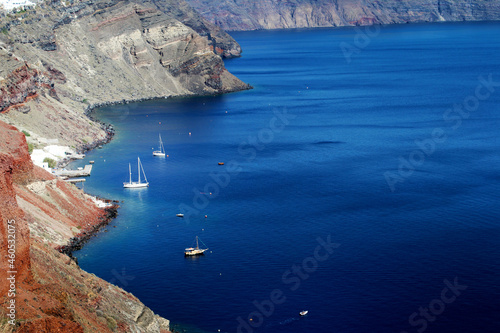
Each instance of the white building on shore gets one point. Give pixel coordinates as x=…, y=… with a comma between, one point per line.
x=9, y=5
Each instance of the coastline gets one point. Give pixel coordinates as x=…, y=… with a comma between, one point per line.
x=47, y=212
x=109, y=129
x=76, y=243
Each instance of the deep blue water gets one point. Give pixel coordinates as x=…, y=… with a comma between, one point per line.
x=323, y=174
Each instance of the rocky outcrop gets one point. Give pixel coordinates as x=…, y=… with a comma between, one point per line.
x=21, y=85
x=52, y=293
x=278, y=14
x=60, y=58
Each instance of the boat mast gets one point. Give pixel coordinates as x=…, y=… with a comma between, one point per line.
x=130, y=173
x=139, y=169
x=144, y=173
x=197, y=246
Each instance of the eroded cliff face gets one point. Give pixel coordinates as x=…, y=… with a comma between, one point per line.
x=52, y=293
x=15, y=167
x=61, y=57
x=278, y=14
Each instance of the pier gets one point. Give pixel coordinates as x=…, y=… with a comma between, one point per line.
x=85, y=172
x=75, y=180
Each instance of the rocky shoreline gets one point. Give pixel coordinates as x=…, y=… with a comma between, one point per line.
x=52, y=218
x=76, y=243
x=58, y=61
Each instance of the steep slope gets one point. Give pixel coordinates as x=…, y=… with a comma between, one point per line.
x=52, y=293
x=278, y=14
x=59, y=58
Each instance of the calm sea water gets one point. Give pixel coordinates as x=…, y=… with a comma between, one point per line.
x=320, y=172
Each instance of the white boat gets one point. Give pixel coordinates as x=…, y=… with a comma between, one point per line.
x=303, y=313
x=179, y=215
x=138, y=183
x=161, y=152
x=195, y=251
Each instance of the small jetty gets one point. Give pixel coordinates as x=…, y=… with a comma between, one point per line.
x=74, y=180
x=85, y=172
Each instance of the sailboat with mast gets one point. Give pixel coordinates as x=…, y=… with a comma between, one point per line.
x=161, y=151
x=195, y=251
x=138, y=183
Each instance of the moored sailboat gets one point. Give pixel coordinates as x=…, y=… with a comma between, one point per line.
x=138, y=183
x=161, y=151
x=195, y=251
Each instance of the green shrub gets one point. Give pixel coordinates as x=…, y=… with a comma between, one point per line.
x=30, y=148
x=111, y=323
x=52, y=163
x=26, y=133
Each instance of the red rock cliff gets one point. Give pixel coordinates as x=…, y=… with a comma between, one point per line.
x=15, y=166
x=52, y=293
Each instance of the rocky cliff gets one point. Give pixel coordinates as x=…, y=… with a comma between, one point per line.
x=61, y=57
x=278, y=14
x=52, y=293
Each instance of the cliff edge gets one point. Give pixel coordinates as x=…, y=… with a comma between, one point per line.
x=43, y=290
x=278, y=14
x=58, y=59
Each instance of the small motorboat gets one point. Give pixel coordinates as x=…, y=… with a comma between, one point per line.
x=179, y=215
x=221, y=163
x=91, y=162
x=303, y=313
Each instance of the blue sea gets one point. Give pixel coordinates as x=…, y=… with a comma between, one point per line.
x=361, y=182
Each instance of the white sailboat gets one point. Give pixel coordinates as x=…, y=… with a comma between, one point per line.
x=195, y=251
x=161, y=152
x=138, y=183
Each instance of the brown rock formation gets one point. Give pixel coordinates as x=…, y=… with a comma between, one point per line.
x=59, y=58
